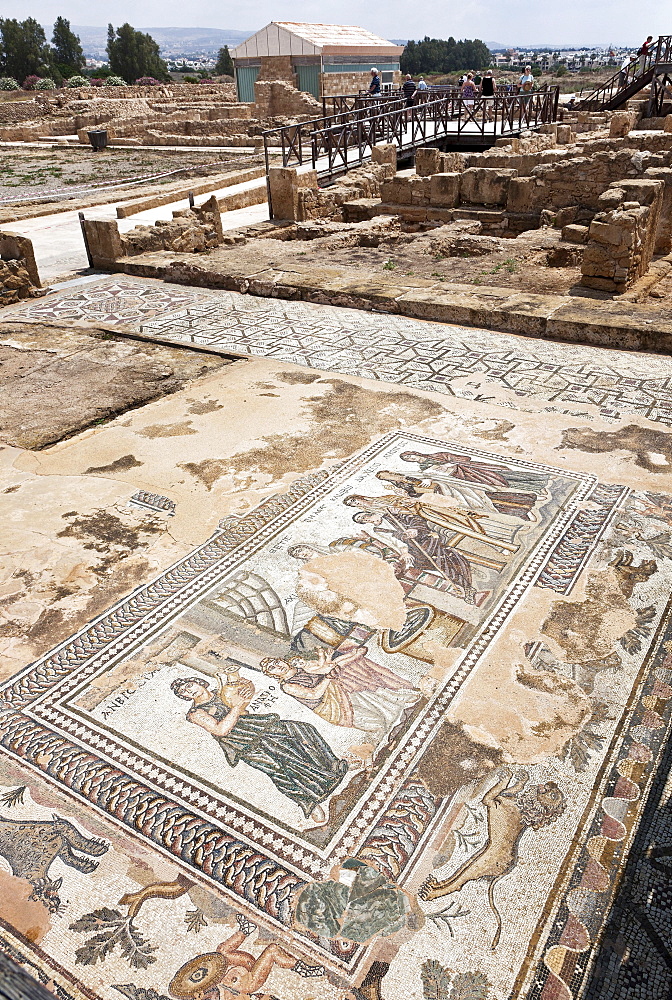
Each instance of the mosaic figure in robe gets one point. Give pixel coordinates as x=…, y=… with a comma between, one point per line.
x=293, y=754
x=508, y=491
x=345, y=687
x=428, y=540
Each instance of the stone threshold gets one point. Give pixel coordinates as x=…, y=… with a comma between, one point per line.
x=575, y=319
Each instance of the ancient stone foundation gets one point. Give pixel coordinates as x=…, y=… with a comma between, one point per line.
x=296, y=196
x=18, y=271
x=189, y=231
x=621, y=240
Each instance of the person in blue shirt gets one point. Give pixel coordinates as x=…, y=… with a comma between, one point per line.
x=374, y=86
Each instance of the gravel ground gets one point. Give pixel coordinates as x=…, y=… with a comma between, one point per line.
x=34, y=175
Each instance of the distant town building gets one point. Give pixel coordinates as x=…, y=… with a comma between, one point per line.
x=320, y=59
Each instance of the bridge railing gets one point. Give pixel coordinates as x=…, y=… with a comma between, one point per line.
x=338, y=142
x=623, y=80
x=294, y=140
x=336, y=147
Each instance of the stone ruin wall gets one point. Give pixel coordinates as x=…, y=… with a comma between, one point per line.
x=297, y=197
x=351, y=83
x=184, y=115
x=611, y=194
x=19, y=278
x=189, y=231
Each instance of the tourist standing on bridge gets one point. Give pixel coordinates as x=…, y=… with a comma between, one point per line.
x=408, y=90
x=488, y=87
x=422, y=90
x=374, y=86
x=469, y=91
x=526, y=83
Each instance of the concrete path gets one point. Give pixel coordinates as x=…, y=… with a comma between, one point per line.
x=59, y=245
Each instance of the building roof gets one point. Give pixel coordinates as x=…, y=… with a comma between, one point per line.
x=342, y=35
x=293, y=38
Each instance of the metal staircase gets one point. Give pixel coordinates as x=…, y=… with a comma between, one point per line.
x=653, y=69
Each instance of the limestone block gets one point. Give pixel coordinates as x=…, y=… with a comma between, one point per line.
x=565, y=216
x=103, y=240
x=397, y=191
x=15, y=247
x=663, y=240
x=285, y=183
x=485, y=185
x=420, y=190
x=445, y=190
x=667, y=126
x=620, y=125
x=575, y=234
x=452, y=162
x=525, y=194
x=644, y=190
x=385, y=153
x=606, y=233
x=427, y=161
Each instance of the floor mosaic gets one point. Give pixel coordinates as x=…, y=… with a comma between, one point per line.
x=448, y=359
x=284, y=768
x=274, y=714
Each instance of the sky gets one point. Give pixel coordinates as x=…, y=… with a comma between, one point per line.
x=520, y=22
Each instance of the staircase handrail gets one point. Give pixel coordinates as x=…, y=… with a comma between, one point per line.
x=622, y=80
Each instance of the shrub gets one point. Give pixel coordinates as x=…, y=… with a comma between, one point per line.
x=8, y=83
x=115, y=81
x=46, y=83
x=191, y=79
x=30, y=82
x=147, y=81
x=79, y=81
x=96, y=81
x=206, y=79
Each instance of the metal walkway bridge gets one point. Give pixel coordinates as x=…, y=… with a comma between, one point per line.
x=335, y=143
x=654, y=69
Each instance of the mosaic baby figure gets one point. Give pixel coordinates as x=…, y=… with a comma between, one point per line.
x=229, y=972
x=293, y=754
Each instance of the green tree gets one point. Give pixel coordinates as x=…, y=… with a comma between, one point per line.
x=68, y=55
x=23, y=49
x=436, y=55
x=132, y=54
x=224, y=64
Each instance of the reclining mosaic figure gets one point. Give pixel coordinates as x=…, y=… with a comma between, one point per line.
x=432, y=534
x=293, y=754
x=509, y=491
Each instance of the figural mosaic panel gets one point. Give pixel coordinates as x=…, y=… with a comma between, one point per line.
x=276, y=713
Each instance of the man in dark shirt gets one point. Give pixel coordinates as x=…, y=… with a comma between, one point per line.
x=408, y=90
x=374, y=86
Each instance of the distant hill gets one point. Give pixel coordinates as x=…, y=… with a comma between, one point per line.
x=172, y=41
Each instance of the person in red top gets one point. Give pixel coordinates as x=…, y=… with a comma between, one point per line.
x=644, y=51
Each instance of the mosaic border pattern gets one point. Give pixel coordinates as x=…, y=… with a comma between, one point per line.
x=590, y=885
